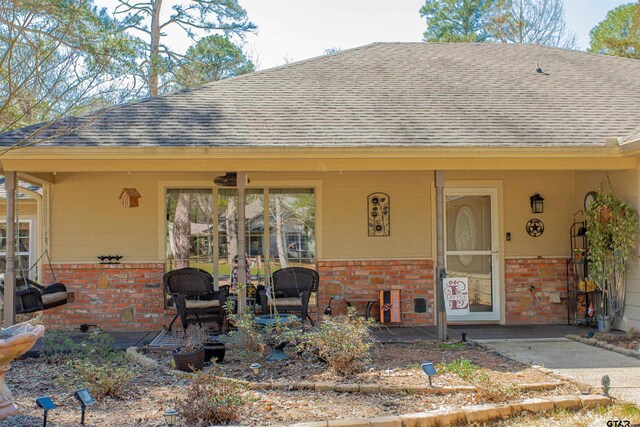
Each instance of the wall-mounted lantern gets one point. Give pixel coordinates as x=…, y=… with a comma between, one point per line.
x=537, y=203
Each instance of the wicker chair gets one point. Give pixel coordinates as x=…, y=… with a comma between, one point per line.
x=194, y=297
x=291, y=290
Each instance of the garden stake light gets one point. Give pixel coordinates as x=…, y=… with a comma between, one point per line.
x=430, y=370
x=255, y=368
x=47, y=404
x=170, y=417
x=85, y=399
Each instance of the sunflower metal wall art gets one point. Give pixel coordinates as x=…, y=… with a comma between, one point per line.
x=379, y=211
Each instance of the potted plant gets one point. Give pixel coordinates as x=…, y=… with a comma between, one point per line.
x=214, y=349
x=611, y=230
x=189, y=355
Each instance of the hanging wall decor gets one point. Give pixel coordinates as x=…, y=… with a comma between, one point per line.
x=379, y=215
x=535, y=227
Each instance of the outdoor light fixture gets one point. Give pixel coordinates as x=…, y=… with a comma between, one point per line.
x=85, y=399
x=255, y=368
x=328, y=311
x=537, y=203
x=430, y=370
x=47, y=404
x=170, y=417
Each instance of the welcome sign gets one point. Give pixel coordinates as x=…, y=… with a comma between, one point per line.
x=456, y=296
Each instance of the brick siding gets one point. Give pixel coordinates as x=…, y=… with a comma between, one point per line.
x=361, y=281
x=116, y=297
x=547, y=275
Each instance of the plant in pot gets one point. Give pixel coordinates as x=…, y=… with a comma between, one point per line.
x=214, y=349
x=189, y=355
x=611, y=232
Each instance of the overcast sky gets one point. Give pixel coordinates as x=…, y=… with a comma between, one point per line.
x=300, y=29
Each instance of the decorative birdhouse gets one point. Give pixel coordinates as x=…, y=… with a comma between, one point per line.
x=129, y=197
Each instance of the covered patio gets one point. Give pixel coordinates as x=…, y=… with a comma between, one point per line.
x=322, y=142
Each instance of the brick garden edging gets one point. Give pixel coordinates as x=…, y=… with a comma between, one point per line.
x=471, y=414
x=133, y=355
x=605, y=345
x=444, y=417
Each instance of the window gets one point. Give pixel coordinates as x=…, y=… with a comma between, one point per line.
x=194, y=240
x=24, y=248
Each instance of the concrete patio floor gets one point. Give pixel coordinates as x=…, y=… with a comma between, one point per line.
x=579, y=361
x=395, y=334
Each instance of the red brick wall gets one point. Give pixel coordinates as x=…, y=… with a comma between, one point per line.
x=116, y=297
x=547, y=275
x=361, y=281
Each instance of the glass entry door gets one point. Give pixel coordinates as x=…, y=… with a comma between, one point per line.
x=471, y=248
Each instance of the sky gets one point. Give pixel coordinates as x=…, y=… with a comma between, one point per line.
x=293, y=30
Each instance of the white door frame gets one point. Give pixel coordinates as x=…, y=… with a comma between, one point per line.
x=493, y=192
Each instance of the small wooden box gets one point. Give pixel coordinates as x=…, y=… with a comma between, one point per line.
x=390, y=306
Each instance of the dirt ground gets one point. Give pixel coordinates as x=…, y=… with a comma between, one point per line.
x=153, y=391
x=630, y=341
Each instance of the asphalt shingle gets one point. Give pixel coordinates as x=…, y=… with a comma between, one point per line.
x=388, y=94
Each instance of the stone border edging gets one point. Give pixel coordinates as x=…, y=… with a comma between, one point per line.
x=134, y=355
x=595, y=343
x=473, y=415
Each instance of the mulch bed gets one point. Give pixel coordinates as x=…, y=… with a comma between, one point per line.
x=630, y=341
x=153, y=391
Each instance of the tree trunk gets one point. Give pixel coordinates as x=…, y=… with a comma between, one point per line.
x=282, y=257
x=154, y=52
x=181, y=229
x=232, y=232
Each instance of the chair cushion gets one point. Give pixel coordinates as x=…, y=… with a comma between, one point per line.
x=195, y=304
x=53, y=298
x=287, y=302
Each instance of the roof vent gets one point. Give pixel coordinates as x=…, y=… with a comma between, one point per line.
x=539, y=70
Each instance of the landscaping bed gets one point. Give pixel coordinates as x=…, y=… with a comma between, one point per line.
x=629, y=341
x=150, y=391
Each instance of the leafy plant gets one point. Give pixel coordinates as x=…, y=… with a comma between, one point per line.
x=488, y=389
x=463, y=368
x=611, y=229
x=103, y=378
x=452, y=345
x=57, y=346
x=343, y=342
x=211, y=399
x=97, y=366
x=252, y=338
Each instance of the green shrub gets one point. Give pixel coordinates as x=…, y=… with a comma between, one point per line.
x=102, y=379
x=452, y=345
x=97, y=366
x=57, y=346
x=211, y=399
x=489, y=390
x=343, y=342
x=463, y=368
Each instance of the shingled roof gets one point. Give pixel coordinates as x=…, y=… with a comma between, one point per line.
x=389, y=94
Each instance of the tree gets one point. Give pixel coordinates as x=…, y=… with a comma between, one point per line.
x=457, y=20
x=507, y=21
x=533, y=22
x=56, y=57
x=226, y=16
x=212, y=58
x=619, y=33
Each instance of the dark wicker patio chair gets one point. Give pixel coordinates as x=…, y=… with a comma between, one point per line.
x=194, y=296
x=291, y=290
